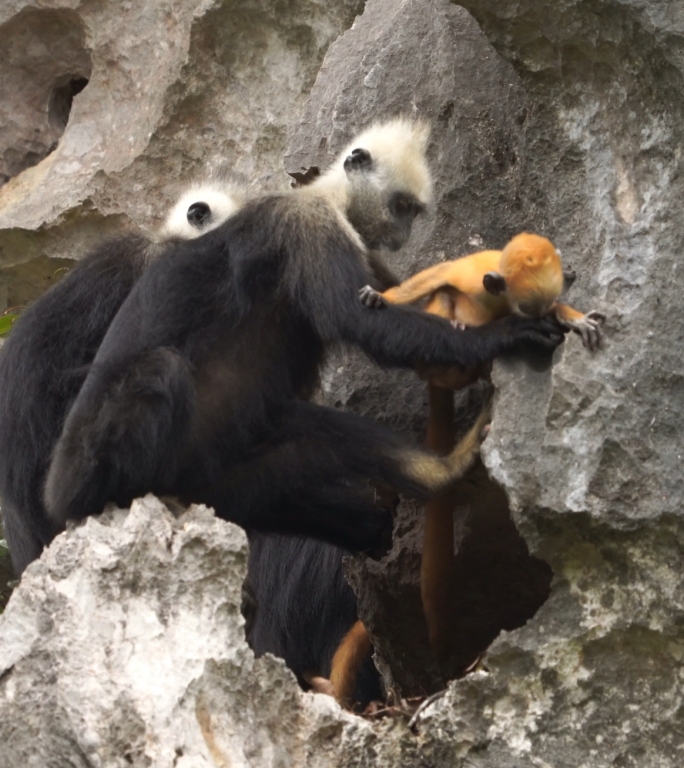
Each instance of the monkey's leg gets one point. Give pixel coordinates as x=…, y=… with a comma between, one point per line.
x=122, y=438
x=436, y=473
x=423, y=284
x=286, y=490
x=311, y=477
x=349, y=656
x=345, y=445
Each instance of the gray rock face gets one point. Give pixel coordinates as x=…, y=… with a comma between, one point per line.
x=43, y=65
x=174, y=85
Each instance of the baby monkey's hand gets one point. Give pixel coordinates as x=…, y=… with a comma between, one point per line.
x=588, y=327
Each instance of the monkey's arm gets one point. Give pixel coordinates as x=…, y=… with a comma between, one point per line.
x=404, y=336
x=588, y=325
x=401, y=335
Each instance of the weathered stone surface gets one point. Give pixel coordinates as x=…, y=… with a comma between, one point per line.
x=124, y=646
x=43, y=64
x=174, y=85
x=588, y=451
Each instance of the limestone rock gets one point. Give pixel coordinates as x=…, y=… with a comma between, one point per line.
x=431, y=59
x=124, y=646
x=173, y=85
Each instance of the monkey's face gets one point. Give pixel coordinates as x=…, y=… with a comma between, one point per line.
x=381, y=213
x=533, y=294
x=532, y=273
x=529, y=293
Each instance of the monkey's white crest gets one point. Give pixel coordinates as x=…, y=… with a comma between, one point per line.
x=216, y=198
x=397, y=148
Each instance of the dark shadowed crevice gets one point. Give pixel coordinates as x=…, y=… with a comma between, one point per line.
x=493, y=585
x=62, y=98
x=496, y=584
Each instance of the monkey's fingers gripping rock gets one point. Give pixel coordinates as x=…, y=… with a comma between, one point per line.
x=371, y=298
x=589, y=328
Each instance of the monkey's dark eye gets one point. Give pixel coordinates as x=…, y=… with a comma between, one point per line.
x=358, y=160
x=403, y=206
x=198, y=215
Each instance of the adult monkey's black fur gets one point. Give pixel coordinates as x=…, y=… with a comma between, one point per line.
x=196, y=390
x=44, y=361
x=304, y=607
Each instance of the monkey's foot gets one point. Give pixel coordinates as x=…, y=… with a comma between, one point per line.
x=588, y=327
x=371, y=298
x=320, y=684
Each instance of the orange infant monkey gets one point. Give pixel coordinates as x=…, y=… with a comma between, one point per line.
x=525, y=278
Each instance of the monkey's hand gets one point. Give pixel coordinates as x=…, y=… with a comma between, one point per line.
x=588, y=327
x=371, y=298
x=544, y=333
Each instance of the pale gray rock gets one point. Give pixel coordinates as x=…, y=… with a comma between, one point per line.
x=124, y=646
x=173, y=86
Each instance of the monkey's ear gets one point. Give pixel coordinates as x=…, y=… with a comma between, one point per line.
x=359, y=160
x=198, y=215
x=494, y=283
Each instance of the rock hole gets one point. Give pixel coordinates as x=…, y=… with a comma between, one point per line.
x=304, y=177
x=496, y=584
x=61, y=99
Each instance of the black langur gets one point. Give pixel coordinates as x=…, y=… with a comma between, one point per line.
x=198, y=388
x=44, y=361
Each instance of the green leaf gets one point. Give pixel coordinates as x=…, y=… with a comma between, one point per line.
x=6, y=323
